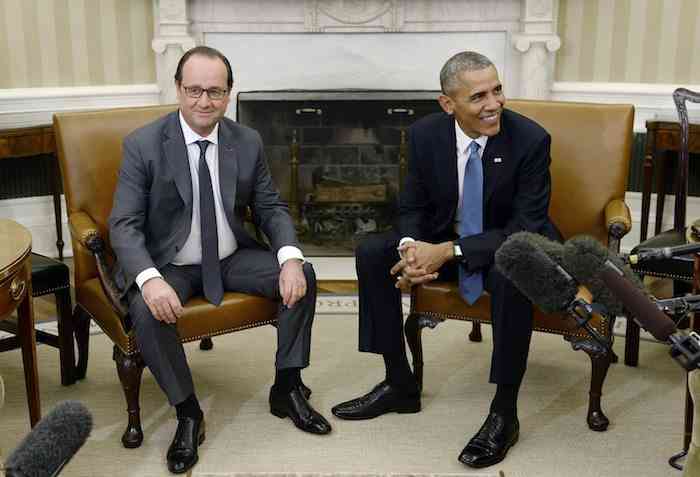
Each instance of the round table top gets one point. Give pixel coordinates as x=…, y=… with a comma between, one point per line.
x=15, y=244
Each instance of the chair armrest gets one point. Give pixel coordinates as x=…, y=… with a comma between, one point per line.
x=618, y=219
x=84, y=229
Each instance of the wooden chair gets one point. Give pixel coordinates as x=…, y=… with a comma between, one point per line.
x=678, y=269
x=591, y=147
x=90, y=153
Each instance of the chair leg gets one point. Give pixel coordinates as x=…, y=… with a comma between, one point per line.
x=475, y=335
x=130, y=369
x=413, y=331
x=632, y=343
x=81, y=322
x=206, y=344
x=600, y=363
x=65, y=337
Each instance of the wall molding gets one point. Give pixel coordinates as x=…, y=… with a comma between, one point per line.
x=24, y=107
x=651, y=101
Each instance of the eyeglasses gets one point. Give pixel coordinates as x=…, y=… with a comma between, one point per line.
x=197, y=91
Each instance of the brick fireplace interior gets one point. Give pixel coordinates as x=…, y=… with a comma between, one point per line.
x=337, y=157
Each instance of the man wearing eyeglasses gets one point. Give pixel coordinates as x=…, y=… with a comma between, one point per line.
x=176, y=234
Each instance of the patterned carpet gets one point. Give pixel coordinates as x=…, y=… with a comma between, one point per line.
x=645, y=405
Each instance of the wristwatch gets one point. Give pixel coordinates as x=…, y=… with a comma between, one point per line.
x=457, y=250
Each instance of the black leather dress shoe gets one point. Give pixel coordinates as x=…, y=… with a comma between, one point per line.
x=490, y=445
x=182, y=453
x=295, y=406
x=306, y=392
x=382, y=399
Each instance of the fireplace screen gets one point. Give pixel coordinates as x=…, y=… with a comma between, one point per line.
x=337, y=157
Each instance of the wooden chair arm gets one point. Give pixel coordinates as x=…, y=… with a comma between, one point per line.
x=618, y=220
x=84, y=229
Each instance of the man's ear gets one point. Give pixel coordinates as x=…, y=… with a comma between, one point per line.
x=446, y=103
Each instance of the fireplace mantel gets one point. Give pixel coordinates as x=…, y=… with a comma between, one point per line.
x=526, y=29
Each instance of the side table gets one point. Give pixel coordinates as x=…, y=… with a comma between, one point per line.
x=16, y=294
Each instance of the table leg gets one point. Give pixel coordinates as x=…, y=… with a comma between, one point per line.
x=25, y=325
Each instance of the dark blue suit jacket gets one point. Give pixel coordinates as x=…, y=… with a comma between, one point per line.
x=517, y=185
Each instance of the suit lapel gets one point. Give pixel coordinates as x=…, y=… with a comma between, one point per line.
x=494, y=161
x=176, y=157
x=228, y=170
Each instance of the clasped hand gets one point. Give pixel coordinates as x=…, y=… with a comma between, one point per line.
x=420, y=262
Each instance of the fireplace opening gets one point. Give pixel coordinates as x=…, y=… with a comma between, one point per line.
x=338, y=157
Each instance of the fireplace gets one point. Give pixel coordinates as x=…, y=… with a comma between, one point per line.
x=338, y=157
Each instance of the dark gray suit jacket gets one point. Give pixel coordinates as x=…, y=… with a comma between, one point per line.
x=152, y=211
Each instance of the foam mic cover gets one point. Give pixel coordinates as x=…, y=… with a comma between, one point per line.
x=51, y=444
x=644, y=311
x=584, y=258
x=541, y=279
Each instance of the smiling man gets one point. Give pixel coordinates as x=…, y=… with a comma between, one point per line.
x=477, y=173
x=176, y=232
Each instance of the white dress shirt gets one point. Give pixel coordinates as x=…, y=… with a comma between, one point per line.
x=191, y=251
x=463, y=143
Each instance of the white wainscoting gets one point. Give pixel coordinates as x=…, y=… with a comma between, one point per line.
x=23, y=107
x=651, y=101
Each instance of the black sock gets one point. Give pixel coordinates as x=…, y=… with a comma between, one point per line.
x=505, y=402
x=286, y=379
x=189, y=408
x=399, y=374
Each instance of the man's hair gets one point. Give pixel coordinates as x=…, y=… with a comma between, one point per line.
x=209, y=52
x=463, y=61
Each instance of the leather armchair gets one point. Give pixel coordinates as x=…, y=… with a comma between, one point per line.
x=591, y=148
x=90, y=152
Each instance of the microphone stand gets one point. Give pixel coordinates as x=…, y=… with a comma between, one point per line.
x=680, y=306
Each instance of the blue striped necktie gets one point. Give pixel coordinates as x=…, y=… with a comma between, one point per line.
x=471, y=220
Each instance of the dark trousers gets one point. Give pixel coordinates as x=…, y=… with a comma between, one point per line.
x=251, y=271
x=381, y=318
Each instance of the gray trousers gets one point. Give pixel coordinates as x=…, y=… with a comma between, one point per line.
x=251, y=271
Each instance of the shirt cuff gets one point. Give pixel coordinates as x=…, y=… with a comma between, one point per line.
x=406, y=240
x=287, y=252
x=146, y=275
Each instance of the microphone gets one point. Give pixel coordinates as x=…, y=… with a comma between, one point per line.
x=538, y=276
x=52, y=442
x=599, y=264
x=535, y=272
x=640, y=306
x=584, y=257
x=661, y=253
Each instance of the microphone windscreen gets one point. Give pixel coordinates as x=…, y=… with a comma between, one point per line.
x=523, y=261
x=645, y=312
x=52, y=442
x=584, y=258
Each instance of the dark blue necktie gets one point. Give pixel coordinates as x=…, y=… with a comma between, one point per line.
x=211, y=268
x=471, y=220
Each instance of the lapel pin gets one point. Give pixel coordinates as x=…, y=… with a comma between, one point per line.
x=497, y=160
